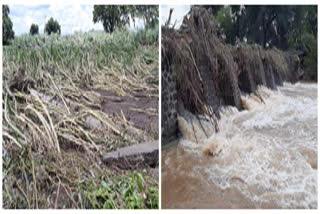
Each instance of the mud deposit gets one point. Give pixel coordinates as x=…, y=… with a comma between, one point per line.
x=138, y=108
x=268, y=156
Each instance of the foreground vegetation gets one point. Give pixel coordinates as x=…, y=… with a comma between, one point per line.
x=52, y=152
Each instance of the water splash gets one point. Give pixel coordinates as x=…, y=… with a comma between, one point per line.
x=268, y=152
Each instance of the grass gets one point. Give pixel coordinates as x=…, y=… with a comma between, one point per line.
x=52, y=155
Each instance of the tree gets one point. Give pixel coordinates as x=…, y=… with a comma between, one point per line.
x=149, y=14
x=287, y=27
x=224, y=17
x=304, y=22
x=7, y=31
x=34, y=29
x=303, y=37
x=52, y=26
x=267, y=25
x=112, y=16
x=214, y=9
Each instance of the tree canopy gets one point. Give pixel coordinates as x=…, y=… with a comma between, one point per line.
x=287, y=27
x=52, y=26
x=112, y=16
x=117, y=16
x=34, y=29
x=149, y=13
x=7, y=32
x=268, y=25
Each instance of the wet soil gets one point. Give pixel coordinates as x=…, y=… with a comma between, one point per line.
x=138, y=108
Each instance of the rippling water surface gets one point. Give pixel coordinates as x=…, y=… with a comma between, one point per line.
x=264, y=157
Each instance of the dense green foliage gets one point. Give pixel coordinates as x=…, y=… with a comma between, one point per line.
x=7, y=32
x=34, y=29
x=287, y=27
x=118, y=16
x=52, y=26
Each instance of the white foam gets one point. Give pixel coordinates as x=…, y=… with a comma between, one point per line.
x=269, y=152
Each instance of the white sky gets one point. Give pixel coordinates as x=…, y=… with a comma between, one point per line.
x=179, y=11
x=71, y=18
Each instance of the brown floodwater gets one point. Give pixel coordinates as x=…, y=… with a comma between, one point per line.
x=266, y=156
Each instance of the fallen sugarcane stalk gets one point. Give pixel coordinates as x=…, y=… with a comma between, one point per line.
x=75, y=105
x=5, y=134
x=103, y=120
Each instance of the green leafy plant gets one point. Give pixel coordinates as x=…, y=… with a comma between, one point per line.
x=130, y=191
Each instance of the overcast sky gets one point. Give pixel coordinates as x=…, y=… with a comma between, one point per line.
x=71, y=18
x=179, y=11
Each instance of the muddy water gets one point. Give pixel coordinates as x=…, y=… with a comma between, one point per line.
x=266, y=158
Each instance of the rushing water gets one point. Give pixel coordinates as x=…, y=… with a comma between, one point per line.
x=263, y=157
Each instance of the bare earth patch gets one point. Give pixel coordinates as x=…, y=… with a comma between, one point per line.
x=137, y=108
